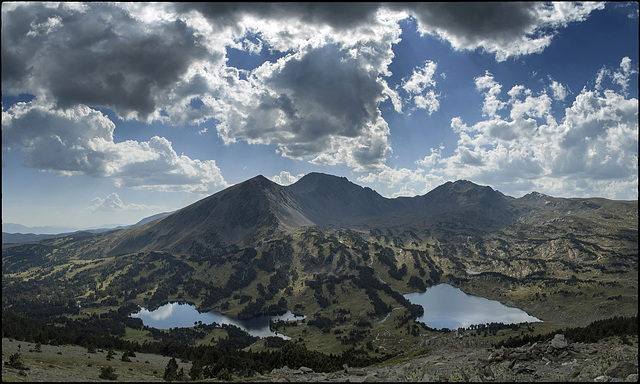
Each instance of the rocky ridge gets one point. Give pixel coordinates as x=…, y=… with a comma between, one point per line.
x=459, y=359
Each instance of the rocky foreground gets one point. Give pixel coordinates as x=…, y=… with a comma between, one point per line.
x=462, y=359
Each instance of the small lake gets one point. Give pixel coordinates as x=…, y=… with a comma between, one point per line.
x=183, y=315
x=446, y=306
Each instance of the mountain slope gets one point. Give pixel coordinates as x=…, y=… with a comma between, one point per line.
x=224, y=218
x=259, y=209
x=332, y=201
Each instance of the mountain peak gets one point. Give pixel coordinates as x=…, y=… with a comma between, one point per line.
x=257, y=182
x=463, y=185
x=316, y=181
x=535, y=195
x=319, y=176
x=257, y=179
x=333, y=200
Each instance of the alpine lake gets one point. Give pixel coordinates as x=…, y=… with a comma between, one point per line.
x=182, y=315
x=444, y=306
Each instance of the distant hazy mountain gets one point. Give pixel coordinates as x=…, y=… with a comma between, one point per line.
x=44, y=230
x=16, y=233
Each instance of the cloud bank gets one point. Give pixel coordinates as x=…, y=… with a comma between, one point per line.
x=318, y=100
x=79, y=141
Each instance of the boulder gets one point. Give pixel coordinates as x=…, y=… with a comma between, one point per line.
x=559, y=342
x=306, y=369
x=520, y=369
x=357, y=372
x=622, y=369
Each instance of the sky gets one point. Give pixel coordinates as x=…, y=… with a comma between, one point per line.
x=112, y=112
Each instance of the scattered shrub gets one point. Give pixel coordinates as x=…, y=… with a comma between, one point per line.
x=108, y=373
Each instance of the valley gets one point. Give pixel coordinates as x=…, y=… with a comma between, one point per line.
x=341, y=255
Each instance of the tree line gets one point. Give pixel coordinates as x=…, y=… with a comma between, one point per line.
x=209, y=361
x=592, y=333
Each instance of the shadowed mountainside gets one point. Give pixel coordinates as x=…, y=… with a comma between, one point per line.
x=258, y=209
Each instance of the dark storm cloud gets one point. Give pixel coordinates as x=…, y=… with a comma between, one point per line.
x=475, y=21
x=103, y=56
x=508, y=29
x=100, y=57
x=336, y=15
x=307, y=101
x=504, y=28
x=325, y=82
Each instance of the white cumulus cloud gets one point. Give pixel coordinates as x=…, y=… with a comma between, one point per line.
x=79, y=140
x=591, y=149
x=286, y=178
x=112, y=202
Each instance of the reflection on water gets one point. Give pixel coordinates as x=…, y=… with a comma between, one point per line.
x=446, y=306
x=182, y=315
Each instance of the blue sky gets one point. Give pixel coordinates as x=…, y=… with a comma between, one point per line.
x=114, y=112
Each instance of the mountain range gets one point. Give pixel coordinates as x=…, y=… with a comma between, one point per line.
x=258, y=247
x=249, y=211
x=259, y=209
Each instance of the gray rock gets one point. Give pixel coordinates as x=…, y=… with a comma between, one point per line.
x=559, y=342
x=632, y=378
x=306, y=370
x=602, y=379
x=622, y=369
x=519, y=369
x=428, y=377
x=588, y=373
x=357, y=372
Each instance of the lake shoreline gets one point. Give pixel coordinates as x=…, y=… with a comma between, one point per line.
x=446, y=306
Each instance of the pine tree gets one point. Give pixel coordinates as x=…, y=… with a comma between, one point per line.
x=195, y=373
x=171, y=370
x=224, y=375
